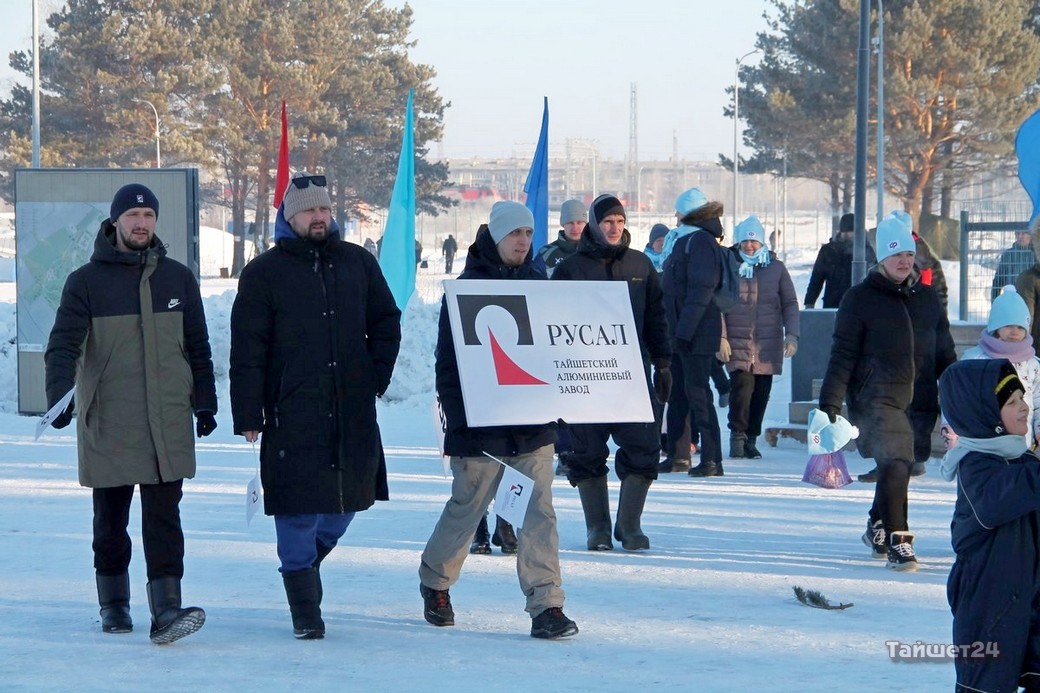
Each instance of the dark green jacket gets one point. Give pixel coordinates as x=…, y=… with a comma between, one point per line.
x=130, y=332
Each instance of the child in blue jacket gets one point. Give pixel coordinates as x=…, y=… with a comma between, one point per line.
x=994, y=585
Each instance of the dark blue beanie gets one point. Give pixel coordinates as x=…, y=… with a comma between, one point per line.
x=130, y=196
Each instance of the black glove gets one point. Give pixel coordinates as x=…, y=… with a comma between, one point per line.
x=205, y=423
x=662, y=383
x=65, y=418
x=831, y=413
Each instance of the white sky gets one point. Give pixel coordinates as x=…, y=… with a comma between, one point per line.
x=495, y=60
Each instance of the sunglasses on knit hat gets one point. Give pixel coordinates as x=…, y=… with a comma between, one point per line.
x=304, y=182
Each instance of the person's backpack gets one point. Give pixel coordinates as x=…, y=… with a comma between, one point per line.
x=727, y=291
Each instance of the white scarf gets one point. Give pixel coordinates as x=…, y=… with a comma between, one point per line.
x=1008, y=447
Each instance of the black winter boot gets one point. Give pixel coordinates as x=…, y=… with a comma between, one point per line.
x=323, y=551
x=629, y=512
x=481, y=539
x=737, y=443
x=301, y=589
x=504, y=536
x=750, y=450
x=901, y=554
x=114, y=597
x=707, y=469
x=595, y=502
x=169, y=621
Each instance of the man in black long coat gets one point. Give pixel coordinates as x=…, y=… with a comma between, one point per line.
x=314, y=337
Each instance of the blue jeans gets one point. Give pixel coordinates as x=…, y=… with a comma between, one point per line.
x=300, y=534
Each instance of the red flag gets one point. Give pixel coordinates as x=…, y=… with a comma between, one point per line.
x=281, y=179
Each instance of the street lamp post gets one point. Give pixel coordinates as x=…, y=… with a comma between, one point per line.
x=36, y=85
x=880, y=112
x=736, y=134
x=156, y=112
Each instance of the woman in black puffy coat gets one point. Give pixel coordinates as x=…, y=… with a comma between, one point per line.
x=888, y=327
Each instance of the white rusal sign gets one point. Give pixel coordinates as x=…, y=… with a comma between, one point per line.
x=530, y=352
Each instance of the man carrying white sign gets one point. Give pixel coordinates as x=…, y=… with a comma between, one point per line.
x=604, y=255
x=501, y=250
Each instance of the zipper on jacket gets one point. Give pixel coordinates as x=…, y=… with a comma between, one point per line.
x=339, y=489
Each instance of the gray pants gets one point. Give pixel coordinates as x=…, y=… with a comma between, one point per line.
x=473, y=488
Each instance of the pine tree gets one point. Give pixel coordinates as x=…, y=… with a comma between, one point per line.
x=217, y=72
x=959, y=80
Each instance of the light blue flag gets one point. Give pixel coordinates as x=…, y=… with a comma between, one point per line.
x=397, y=254
x=537, y=185
x=1027, y=147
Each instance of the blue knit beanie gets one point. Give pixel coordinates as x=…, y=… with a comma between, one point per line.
x=895, y=235
x=1008, y=309
x=750, y=230
x=690, y=200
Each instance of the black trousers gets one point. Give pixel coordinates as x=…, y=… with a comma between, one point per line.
x=890, y=506
x=748, y=397
x=697, y=381
x=681, y=433
x=677, y=439
x=639, y=450
x=161, y=531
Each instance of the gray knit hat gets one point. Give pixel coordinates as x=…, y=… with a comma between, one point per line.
x=573, y=210
x=311, y=197
x=506, y=217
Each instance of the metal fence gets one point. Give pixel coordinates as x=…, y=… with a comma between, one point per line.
x=986, y=231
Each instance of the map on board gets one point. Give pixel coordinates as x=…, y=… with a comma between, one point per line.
x=54, y=238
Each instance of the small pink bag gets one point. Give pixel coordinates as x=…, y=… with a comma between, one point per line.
x=827, y=470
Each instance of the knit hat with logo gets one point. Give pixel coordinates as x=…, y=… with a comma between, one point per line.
x=132, y=196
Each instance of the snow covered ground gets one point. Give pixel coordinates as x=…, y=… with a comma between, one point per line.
x=709, y=608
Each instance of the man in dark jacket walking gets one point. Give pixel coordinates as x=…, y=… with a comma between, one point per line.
x=501, y=250
x=1013, y=261
x=604, y=255
x=130, y=333
x=832, y=271
x=889, y=333
x=449, y=249
x=692, y=270
x=314, y=337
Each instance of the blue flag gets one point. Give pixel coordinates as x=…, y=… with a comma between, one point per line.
x=1027, y=147
x=537, y=185
x=397, y=254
